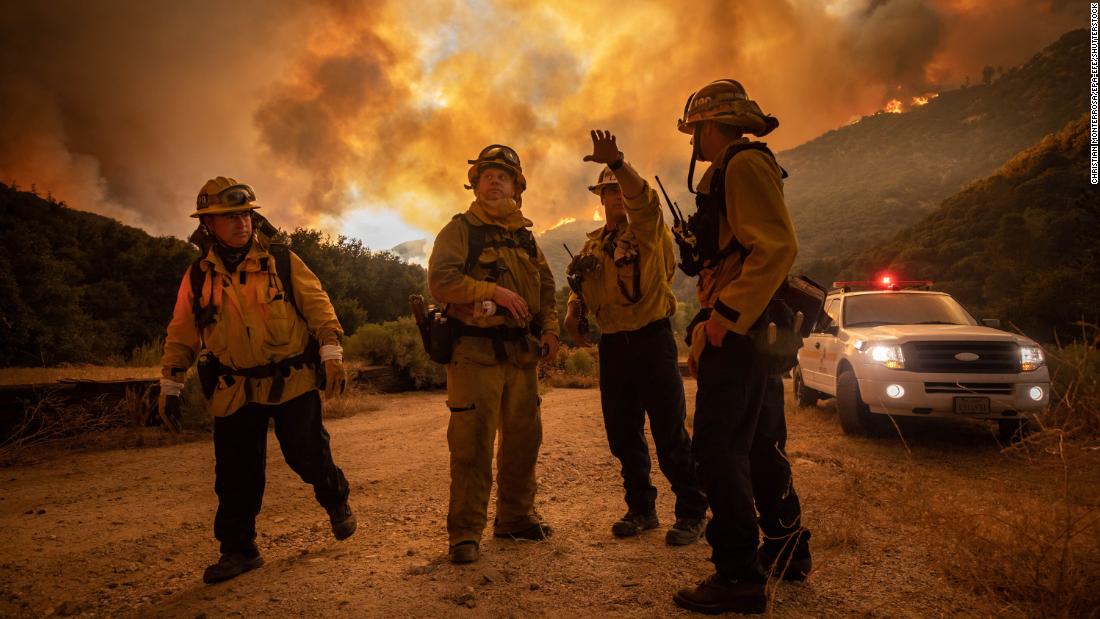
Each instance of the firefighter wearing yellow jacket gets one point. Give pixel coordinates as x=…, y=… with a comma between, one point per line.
x=746, y=245
x=251, y=326
x=625, y=272
x=499, y=291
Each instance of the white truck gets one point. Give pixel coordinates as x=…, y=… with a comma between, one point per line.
x=900, y=349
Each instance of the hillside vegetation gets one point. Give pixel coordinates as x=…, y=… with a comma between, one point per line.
x=857, y=185
x=83, y=288
x=1020, y=245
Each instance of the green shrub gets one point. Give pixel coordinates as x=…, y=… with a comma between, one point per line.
x=372, y=343
x=581, y=363
x=396, y=343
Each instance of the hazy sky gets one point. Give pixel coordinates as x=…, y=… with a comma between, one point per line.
x=358, y=117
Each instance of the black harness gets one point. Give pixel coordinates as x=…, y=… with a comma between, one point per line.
x=211, y=368
x=697, y=237
x=478, y=241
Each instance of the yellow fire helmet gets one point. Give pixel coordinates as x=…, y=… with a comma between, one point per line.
x=725, y=101
x=224, y=195
x=607, y=179
x=497, y=156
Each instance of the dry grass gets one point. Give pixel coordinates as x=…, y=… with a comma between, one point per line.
x=53, y=420
x=353, y=402
x=27, y=376
x=1019, y=533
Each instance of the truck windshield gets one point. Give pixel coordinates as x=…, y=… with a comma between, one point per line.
x=869, y=310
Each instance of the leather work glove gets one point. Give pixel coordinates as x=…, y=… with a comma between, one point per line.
x=168, y=405
x=336, y=377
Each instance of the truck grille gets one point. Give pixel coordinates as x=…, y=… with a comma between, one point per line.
x=969, y=388
x=993, y=357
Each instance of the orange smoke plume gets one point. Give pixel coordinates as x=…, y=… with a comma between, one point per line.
x=340, y=108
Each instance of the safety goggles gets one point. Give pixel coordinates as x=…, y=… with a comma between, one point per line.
x=496, y=152
x=236, y=195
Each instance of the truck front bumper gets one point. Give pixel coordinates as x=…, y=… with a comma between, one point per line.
x=973, y=396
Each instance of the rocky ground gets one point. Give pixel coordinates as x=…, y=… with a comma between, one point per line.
x=128, y=532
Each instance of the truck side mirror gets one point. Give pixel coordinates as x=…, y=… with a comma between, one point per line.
x=992, y=323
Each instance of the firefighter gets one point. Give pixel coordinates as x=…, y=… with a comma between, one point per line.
x=625, y=271
x=746, y=246
x=499, y=291
x=262, y=328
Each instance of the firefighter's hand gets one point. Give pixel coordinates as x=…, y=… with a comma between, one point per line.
x=549, y=346
x=573, y=319
x=715, y=332
x=168, y=405
x=515, y=304
x=604, y=148
x=336, y=378
x=698, y=343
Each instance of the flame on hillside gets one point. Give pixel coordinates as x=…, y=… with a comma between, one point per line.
x=597, y=215
x=561, y=222
x=893, y=106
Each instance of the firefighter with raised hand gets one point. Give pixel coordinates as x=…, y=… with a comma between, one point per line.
x=744, y=246
x=625, y=270
x=499, y=295
x=263, y=330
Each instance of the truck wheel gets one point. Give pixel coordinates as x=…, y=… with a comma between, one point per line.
x=803, y=394
x=856, y=417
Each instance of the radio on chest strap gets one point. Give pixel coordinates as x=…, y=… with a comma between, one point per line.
x=699, y=248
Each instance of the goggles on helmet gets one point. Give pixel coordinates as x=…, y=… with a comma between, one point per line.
x=236, y=195
x=497, y=152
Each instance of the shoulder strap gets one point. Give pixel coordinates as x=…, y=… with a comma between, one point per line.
x=739, y=148
x=475, y=242
x=203, y=317
x=282, y=267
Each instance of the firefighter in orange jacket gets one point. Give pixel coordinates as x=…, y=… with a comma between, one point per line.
x=253, y=337
x=746, y=246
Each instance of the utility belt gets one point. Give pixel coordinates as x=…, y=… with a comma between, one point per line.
x=777, y=334
x=663, y=324
x=211, y=371
x=498, y=335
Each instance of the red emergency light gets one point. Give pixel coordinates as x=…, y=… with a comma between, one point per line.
x=886, y=282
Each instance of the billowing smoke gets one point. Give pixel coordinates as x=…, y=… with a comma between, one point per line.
x=126, y=107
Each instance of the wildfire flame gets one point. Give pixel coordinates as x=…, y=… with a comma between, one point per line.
x=893, y=106
x=562, y=222
x=924, y=99
x=597, y=215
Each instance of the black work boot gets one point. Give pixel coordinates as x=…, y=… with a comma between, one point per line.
x=230, y=565
x=465, y=552
x=718, y=594
x=686, y=531
x=790, y=566
x=634, y=523
x=343, y=521
x=534, y=533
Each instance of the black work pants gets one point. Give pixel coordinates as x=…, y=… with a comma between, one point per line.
x=740, y=446
x=240, y=453
x=640, y=373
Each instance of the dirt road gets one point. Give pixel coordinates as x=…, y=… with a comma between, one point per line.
x=128, y=532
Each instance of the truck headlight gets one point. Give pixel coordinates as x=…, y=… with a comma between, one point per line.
x=1031, y=358
x=890, y=356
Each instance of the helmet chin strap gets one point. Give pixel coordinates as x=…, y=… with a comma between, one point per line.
x=695, y=154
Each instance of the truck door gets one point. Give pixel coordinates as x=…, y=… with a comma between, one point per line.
x=812, y=355
x=831, y=346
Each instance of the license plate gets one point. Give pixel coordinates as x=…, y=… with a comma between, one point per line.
x=972, y=405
